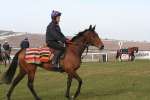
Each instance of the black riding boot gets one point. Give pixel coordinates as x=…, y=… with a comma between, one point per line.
x=55, y=62
x=56, y=57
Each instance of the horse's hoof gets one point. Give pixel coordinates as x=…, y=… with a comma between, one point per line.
x=67, y=96
x=72, y=98
x=38, y=98
x=8, y=98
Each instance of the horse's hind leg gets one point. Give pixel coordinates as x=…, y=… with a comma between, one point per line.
x=31, y=76
x=15, y=82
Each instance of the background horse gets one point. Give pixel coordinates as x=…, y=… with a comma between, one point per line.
x=71, y=62
x=5, y=56
x=129, y=51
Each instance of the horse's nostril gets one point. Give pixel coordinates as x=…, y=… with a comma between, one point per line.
x=102, y=47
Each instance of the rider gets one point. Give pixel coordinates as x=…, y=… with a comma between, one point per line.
x=54, y=37
x=6, y=46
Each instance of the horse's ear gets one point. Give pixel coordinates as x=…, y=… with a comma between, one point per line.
x=94, y=28
x=90, y=27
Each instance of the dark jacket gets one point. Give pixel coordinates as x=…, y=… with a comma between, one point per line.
x=6, y=46
x=24, y=44
x=53, y=33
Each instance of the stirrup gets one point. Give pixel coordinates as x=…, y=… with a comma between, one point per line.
x=57, y=68
x=55, y=61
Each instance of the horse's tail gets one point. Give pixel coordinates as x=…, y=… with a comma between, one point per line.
x=9, y=74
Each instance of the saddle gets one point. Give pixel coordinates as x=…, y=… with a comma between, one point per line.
x=39, y=55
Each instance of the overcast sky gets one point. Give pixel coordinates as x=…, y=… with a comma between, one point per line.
x=114, y=19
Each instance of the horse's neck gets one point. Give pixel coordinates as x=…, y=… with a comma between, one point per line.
x=79, y=47
x=132, y=49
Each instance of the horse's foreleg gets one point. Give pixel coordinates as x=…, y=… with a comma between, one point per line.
x=31, y=76
x=132, y=58
x=77, y=77
x=120, y=58
x=15, y=82
x=69, y=81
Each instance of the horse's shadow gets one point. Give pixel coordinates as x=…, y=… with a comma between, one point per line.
x=101, y=94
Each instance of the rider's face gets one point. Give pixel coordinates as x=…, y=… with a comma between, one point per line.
x=58, y=19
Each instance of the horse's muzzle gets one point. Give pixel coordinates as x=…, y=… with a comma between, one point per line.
x=102, y=47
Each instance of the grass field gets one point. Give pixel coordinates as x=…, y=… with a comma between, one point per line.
x=101, y=81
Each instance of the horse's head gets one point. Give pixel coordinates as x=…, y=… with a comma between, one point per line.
x=89, y=37
x=136, y=49
x=92, y=38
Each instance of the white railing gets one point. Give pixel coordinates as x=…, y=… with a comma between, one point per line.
x=142, y=55
x=105, y=56
x=95, y=57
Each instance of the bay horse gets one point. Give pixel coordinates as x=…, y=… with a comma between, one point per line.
x=71, y=62
x=1, y=57
x=130, y=51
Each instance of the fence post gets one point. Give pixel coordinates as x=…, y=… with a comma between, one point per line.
x=92, y=57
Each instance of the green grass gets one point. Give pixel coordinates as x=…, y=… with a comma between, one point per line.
x=101, y=81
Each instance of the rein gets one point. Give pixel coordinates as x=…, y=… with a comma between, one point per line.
x=86, y=47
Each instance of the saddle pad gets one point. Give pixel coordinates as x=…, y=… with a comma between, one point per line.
x=124, y=50
x=46, y=54
x=38, y=55
x=125, y=57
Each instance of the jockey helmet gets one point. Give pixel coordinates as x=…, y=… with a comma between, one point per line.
x=26, y=38
x=54, y=14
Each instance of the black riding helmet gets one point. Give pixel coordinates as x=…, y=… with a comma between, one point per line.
x=54, y=14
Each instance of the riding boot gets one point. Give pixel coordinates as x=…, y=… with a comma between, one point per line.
x=56, y=57
x=55, y=62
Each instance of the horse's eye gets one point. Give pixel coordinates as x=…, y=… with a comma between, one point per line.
x=93, y=36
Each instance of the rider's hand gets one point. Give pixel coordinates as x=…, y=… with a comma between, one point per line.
x=68, y=41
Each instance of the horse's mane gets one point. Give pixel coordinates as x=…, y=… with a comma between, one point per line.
x=134, y=47
x=78, y=35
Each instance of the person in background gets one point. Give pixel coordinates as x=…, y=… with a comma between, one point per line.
x=6, y=46
x=25, y=43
